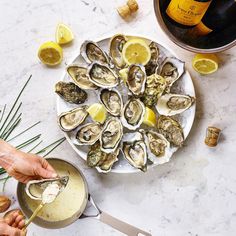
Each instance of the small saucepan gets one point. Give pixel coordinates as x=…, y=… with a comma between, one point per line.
x=84, y=211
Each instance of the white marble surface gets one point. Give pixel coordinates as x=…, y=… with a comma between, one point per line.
x=195, y=193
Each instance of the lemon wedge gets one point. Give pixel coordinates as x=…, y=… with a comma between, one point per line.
x=50, y=53
x=64, y=34
x=136, y=51
x=124, y=74
x=205, y=64
x=149, y=117
x=97, y=112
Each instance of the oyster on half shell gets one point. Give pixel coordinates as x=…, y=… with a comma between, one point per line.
x=116, y=45
x=158, y=147
x=134, y=150
x=102, y=76
x=35, y=188
x=70, y=120
x=88, y=134
x=155, y=86
x=153, y=64
x=80, y=77
x=133, y=113
x=173, y=104
x=70, y=92
x=171, y=129
x=171, y=69
x=136, y=79
x=91, y=52
x=112, y=101
x=111, y=135
x=101, y=160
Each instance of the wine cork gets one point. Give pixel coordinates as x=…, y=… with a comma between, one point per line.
x=133, y=5
x=212, y=136
x=124, y=11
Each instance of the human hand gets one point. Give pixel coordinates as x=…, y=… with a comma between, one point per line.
x=12, y=225
x=24, y=166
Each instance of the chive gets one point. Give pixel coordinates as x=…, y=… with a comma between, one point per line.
x=3, y=112
x=24, y=131
x=35, y=146
x=11, y=120
x=13, y=106
x=59, y=143
x=28, y=142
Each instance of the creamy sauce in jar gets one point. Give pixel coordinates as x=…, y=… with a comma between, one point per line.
x=69, y=201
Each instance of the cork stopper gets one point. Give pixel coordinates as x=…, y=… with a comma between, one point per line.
x=133, y=5
x=124, y=11
x=212, y=136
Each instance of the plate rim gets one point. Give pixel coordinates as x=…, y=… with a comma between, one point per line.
x=107, y=37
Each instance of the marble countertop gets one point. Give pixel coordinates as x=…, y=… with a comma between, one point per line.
x=192, y=195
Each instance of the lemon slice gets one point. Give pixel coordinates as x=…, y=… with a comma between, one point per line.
x=124, y=74
x=205, y=63
x=97, y=112
x=50, y=53
x=136, y=51
x=64, y=34
x=149, y=117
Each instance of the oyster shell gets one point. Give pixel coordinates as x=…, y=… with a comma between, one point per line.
x=116, y=45
x=112, y=101
x=111, y=135
x=172, y=104
x=91, y=52
x=158, y=147
x=102, y=75
x=88, y=134
x=35, y=188
x=136, y=79
x=171, y=69
x=155, y=86
x=72, y=119
x=171, y=129
x=80, y=77
x=101, y=160
x=133, y=114
x=153, y=64
x=70, y=92
x=134, y=150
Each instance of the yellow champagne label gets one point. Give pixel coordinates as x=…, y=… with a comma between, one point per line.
x=187, y=12
x=202, y=29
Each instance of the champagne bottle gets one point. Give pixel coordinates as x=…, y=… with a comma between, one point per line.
x=221, y=14
x=187, y=13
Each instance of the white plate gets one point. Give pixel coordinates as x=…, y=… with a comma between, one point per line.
x=184, y=86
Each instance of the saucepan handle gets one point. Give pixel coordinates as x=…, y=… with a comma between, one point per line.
x=122, y=226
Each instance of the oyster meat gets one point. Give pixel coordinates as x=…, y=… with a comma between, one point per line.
x=133, y=114
x=88, y=134
x=116, y=46
x=70, y=92
x=158, y=147
x=80, y=77
x=91, y=52
x=153, y=64
x=111, y=135
x=72, y=119
x=155, y=86
x=35, y=188
x=171, y=129
x=136, y=79
x=112, y=101
x=134, y=151
x=102, y=75
x=171, y=69
x=173, y=104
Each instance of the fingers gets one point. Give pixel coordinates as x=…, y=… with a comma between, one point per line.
x=47, y=166
x=11, y=231
x=46, y=170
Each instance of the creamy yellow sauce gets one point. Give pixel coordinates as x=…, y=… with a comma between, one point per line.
x=69, y=201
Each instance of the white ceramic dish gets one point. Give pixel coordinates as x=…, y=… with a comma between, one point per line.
x=184, y=86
